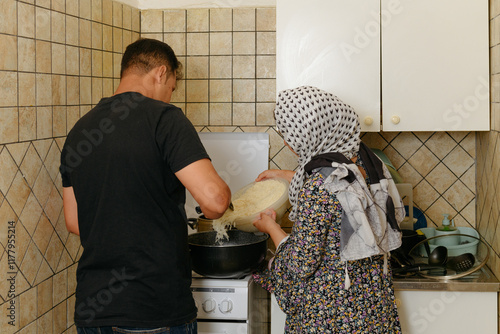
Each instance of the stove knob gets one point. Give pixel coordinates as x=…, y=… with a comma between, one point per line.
x=226, y=306
x=209, y=305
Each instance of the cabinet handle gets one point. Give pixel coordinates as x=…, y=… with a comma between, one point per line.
x=395, y=119
x=368, y=120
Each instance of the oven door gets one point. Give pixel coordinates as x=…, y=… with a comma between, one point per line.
x=214, y=327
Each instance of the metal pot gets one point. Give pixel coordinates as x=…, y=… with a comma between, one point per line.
x=233, y=258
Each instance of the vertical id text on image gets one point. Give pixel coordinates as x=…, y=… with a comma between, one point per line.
x=10, y=250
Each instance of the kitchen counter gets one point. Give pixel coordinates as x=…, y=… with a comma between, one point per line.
x=482, y=280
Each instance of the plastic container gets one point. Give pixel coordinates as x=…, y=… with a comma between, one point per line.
x=465, y=244
x=245, y=223
x=447, y=229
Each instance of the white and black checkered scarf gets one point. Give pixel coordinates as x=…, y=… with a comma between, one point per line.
x=313, y=122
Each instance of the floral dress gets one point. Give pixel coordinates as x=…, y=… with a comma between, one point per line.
x=308, y=277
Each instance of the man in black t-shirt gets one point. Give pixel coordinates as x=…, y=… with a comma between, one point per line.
x=125, y=166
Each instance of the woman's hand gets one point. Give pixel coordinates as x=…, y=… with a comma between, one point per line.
x=267, y=223
x=272, y=173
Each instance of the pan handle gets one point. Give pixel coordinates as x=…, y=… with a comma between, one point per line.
x=193, y=223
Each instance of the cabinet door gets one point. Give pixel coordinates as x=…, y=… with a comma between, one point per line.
x=435, y=65
x=335, y=46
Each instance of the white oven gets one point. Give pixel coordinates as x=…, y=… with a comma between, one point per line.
x=230, y=306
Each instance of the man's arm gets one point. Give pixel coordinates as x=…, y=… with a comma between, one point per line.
x=70, y=210
x=207, y=187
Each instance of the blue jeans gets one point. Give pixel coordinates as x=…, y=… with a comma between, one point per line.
x=189, y=328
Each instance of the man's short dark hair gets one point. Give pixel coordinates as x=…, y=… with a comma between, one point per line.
x=145, y=54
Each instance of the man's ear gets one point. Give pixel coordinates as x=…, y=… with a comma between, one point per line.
x=159, y=72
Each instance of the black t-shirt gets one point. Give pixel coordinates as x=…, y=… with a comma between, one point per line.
x=120, y=159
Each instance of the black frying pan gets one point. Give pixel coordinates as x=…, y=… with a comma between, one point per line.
x=233, y=258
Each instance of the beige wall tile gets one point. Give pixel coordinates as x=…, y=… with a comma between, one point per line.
x=27, y=84
x=8, y=52
x=8, y=165
x=96, y=90
x=197, y=113
x=151, y=21
x=107, y=38
x=179, y=94
x=58, y=58
x=58, y=90
x=73, y=115
x=58, y=5
x=43, y=57
x=495, y=31
x=107, y=12
x=45, y=323
x=244, y=114
x=96, y=63
x=31, y=262
x=244, y=67
x=136, y=20
x=85, y=33
x=26, y=20
x=27, y=307
x=42, y=24
x=177, y=42
x=266, y=43
x=220, y=90
x=117, y=58
x=117, y=14
x=221, y=19
x=197, y=44
x=17, y=197
x=266, y=67
x=127, y=17
x=60, y=317
x=9, y=119
x=8, y=89
x=243, y=43
x=43, y=122
x=72, y=60
x=72, y=7
x=73, y=90
x=107, y=87
x=197, y=20
x=26, y=54
x=117, y=40
x=127, y=39
x=266, y=19
x=27, y=123
x=221, y=43
x=58, y=27
x=244, y=19
x=221, y=67
x=97, y=35
x=243, y=90
x=174, y=20
x=265, y=114
x=197, y=91
x=85, y=9
x=107, y=64
x=72, y=29
x=96, y=6
x=85, y=61
x=43, y=89
x=8, y=17
x=43, y=233
x=44, y=296
x=85, y=90
x=220, y=113
x=197, y=67
x=59, y=121
x=266, y=90
x=53, y=254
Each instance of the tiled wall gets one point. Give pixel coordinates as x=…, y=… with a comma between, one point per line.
x=488, y=154
x=57, y=58
x=62, y=56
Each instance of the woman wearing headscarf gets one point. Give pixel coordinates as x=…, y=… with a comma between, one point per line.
x=331, y=274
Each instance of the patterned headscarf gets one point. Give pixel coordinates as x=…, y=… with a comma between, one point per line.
x=313, y=122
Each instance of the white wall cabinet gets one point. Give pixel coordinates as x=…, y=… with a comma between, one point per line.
x=401, y=64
